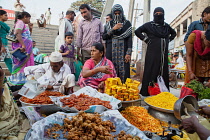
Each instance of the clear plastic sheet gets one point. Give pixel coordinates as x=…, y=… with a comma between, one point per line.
x=38, y=129
x=204, y=102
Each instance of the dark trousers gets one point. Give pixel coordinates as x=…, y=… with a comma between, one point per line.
x=85, y=55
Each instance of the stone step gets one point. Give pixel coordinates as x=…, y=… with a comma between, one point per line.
x=2, y=64
x=5, y=69
x=6, y=72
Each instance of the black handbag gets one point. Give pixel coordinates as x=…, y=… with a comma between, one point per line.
x=11, y=36
x=19, y=55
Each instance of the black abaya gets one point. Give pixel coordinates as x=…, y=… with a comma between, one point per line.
x=158, y=39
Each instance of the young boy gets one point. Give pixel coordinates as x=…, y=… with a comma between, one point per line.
x=67, y=51
x=35, y=50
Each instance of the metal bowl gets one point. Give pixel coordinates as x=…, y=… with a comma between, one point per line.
x=158, y=108
x=130, y=103
x=179, y=106
x=163, y=116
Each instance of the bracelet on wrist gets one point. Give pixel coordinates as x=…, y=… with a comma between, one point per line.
x=92, y=71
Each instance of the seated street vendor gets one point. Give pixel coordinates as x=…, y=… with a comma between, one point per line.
x=58, y=74
x=96, y=69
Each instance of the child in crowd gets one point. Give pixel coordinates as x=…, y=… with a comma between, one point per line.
x=78, y=67
x=35, y=49
x=67, y=51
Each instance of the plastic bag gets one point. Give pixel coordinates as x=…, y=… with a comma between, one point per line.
x=153, y=88
x=187, y=91
x=161, y=84
x=31, y=89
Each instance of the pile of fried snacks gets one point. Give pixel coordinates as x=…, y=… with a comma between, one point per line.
x=164, y=100
x=42, y=98
x=139, y=117
x=82, y=102
x=86, y=126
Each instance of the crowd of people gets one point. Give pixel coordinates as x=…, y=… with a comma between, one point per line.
x=104, y=51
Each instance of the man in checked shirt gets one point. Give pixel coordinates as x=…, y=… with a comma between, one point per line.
x=90, y=31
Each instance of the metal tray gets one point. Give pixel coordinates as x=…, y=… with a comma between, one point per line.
x=132, y=101
x=158, y=108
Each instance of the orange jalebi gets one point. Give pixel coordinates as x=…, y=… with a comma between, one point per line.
x=42, y=98
x=139, y=117
x=82, y=102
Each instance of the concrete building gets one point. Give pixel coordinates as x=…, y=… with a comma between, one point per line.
x=191, y=13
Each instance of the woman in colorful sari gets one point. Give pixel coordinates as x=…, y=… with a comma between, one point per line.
x=4, y=30
x=198, y=56
x=23, y=34
x=96, y=69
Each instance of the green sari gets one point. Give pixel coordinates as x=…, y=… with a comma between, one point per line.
x=4, y=30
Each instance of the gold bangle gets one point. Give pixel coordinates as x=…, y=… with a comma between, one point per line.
x=92, y=71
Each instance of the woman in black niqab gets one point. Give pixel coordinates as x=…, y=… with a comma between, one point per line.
x=157, y=36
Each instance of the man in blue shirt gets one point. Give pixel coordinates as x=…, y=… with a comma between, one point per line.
x=203, y=24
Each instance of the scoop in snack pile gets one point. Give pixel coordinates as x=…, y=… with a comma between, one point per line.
x=164, y=100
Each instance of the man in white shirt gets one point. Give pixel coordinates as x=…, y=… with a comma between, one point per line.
x=19, y=8
x=41, y=21
x=48, y=16
x=61, y=16
x=58, y=74
x=180, y=62
x=65, y=26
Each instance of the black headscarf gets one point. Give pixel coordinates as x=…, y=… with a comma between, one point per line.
x=159, y=19
x=159, y=27
x=126, y=30
x=118, y=18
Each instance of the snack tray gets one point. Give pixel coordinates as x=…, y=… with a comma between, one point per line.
x=38, y=129
x=116, y=104
x=158, y=108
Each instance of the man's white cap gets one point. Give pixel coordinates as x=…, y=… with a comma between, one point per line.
x=56, y=57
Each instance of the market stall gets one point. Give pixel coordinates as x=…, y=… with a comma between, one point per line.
x=116, y=114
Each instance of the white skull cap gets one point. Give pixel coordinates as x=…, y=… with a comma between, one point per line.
x=56, y=57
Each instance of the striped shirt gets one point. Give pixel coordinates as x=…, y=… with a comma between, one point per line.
x=89, y=32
